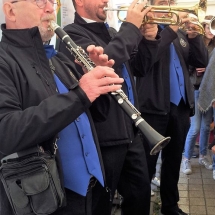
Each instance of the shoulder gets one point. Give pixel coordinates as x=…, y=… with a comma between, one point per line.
x=5, y=59
x=73, y=27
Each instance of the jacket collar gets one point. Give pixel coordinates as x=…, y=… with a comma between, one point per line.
x=96, y=27
x=20, y=37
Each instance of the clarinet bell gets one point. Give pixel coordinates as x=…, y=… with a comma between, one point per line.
x=160, y=145
x=155, y=140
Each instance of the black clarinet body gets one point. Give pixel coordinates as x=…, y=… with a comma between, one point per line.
x=157, y=141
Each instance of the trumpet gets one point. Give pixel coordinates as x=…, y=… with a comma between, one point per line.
x=211, y=24
x=198, y=28
x=199, y=10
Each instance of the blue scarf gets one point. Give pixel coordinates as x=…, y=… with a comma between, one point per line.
x=50, y=51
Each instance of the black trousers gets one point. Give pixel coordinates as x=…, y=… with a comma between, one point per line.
x=77, y=204
x=175, y=124
x=126, y=171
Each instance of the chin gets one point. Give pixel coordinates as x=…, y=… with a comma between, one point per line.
x=103, y=18
x=46, y=36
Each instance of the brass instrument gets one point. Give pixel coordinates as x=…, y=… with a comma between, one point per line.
x=212, y=25
x=169, y=12
x=198, y=28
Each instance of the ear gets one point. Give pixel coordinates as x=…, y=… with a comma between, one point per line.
x=8, y=10
x=79, y=3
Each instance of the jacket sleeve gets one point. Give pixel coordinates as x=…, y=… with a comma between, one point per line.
x=123, y=42
x=167, y=37
x=122, y=45
x=198, y=56
x=150, y=52
x=21, y=128
x=198, y=53
x=143, y=58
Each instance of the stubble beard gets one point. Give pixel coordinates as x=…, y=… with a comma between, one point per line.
x=45, y=32
x=96, y=16
x=102, y=18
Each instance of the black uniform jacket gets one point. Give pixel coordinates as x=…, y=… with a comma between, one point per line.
x=118, y=128
x=154, y=88
x=31, y=111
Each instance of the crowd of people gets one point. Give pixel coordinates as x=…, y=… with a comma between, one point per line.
x=200, y=122
x=47, y=97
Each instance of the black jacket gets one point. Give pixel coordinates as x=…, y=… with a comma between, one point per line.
x=31, y=111
x=118, y=128
x=154, y=88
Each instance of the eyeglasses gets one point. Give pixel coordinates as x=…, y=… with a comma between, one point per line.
x=42, y=3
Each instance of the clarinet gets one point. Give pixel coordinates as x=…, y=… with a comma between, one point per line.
x=156, y=141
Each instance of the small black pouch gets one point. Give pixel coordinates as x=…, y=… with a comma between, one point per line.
x=32, y=182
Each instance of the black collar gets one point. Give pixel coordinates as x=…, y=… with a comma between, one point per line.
x=20, y=37
x=96, y=27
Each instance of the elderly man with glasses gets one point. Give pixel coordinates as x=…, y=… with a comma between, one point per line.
x=43, y=96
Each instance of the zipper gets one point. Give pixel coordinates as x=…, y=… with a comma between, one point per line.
x=26, y=171
x=41, y=76
x=52, y=182
x=55, y=145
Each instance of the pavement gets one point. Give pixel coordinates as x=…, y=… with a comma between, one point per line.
x=197, y=192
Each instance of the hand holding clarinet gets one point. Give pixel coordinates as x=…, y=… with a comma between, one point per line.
x=157, y=141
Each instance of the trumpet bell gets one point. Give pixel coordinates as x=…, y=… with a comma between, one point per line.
x=198, y=28
x=201, y=9
x=212, y=25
